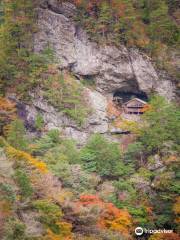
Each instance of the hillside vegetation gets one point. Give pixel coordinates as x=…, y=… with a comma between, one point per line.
x=50, y=187
x=151, y=25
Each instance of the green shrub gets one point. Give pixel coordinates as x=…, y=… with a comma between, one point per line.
x=16, y=135
x=15, y=230
x=66, y=150
x=7, y=192
x=103, y=157
x=162, y=124
x=134, y=153
x=66, y=94
x=39, y=122
x=50, y=214
x=145, y=173
x=16, y=40
x=46, y=142
x=64, y=162
x=24, y=184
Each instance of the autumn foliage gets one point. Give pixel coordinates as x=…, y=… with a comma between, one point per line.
x=19, y=155
x=65, y=229
x=110, y=217
x=165, y=236
x=176, y=210
x=5, y=212
x=112, y=110
x=7, y=111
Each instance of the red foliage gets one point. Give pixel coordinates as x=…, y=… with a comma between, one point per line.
x=89, y=200
x=110, y=217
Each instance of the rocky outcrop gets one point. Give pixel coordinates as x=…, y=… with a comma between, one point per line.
x=155, y=163
x=97, y=121
x=112, y=68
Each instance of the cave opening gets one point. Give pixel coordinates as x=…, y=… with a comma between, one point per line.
x=125, y=96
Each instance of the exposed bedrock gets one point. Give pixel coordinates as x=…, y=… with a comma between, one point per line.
x=112, y=68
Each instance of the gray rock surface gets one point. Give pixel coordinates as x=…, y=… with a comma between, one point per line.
x=33, y=226
x=96, y=122
x=112, y=68
x=155, y=163
x=141, y=183
x=6, y=166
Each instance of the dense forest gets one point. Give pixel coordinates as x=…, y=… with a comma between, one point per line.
x=52, y=188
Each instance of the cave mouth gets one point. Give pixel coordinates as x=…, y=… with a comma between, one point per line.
x=125, y=96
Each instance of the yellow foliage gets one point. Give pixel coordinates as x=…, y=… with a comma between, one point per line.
x=176, y=210
x=176, y=207
x=131, y=126
x=65, y=232
x=65, y=228
x=63, y=196
x=23, y=156
x=117, y=220
x=7, y=111
x=6, y=105
x=20, y=155
x=5, y=208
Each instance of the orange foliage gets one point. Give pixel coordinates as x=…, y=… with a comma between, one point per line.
x=52, y=69
x=177, y=206
x=77, y=2
x=112, y=110
x=165, y=236
x=171, y=159
x=119, y=7
x=110, y=216
x=5, y=212
x=118, y=122
x=146, y=108
x=7, y=110
x=176, y=209
x=20, y=155
x=6, y=105
x=115, y=219
x=89, y=200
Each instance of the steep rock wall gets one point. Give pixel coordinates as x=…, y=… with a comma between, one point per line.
x=112, y=68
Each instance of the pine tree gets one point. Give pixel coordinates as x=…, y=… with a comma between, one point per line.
x=105, y=19
x=15, y=39
x=16, y=135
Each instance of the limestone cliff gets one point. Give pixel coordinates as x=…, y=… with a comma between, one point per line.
x=112, y=68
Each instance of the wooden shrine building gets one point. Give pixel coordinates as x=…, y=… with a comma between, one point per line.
x=134, y=106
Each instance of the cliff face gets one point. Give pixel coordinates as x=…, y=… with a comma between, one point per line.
x=100, y=186
x=112, y=68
